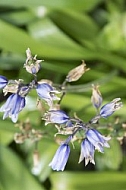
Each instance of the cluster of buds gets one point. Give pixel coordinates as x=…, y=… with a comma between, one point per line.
x=91, y=138
x=27, y=132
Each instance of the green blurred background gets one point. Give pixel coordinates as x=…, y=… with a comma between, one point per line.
x=64, y=32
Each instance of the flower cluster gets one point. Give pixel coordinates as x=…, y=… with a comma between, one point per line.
x=91, y=140
x=16, y=101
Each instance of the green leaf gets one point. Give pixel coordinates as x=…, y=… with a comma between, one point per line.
x=11, y=61
x=90, y=180
x=110, y=40
x=78, y=26
x=6, y=137
x=73, y=4
x=18, y=41
x=14, y=174
x=47, y=32
x=20, y=17
x=42, y=169
x=7, y=130
x=112, y=157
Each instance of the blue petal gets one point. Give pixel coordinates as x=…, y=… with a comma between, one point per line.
x=60, y=158
x=43, y=90
x=14, y=104
x=106, y=110
x=97, y=139
x=3, y=81
x=58, y=116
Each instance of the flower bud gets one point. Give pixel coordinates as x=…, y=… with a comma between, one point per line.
x=32, y=65
x=96, y=97
x=77, y=72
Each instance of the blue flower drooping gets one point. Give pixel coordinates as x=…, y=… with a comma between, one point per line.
x=14, y=104
x=110, y=108
x=56, y=116
x=97, y=140
x=87, y=152
x=60, y=158
x=47, y=93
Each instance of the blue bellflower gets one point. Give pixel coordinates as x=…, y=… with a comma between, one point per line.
x=87, y=152
x=56, y=116
x=97, y=140
x=60, y=158
x=14, y=104
x=3, y=81
x=110, y=108
x=47, y=93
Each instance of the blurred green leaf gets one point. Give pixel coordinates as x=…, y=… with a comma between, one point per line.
x=46, y=150
x=7, y=130
x=20, y=17
x=12, y=40
x=5, y=137
x=114, y=40
x=81, y=27
x=48, y=33
x=14, y=173
x=11, y=61
x=95, y=181
x=81, y=4
x=112, y=157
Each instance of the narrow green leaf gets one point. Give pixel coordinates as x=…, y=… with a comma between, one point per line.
x=80, y=4
x=14, y=174
x=77, y=26
x=90, y=180
x=47, y=32
x=18, y=41
x=20, y=17
x=10, y=61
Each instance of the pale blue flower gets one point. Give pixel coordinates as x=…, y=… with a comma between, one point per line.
x=97, y=139
x=56, y=116
x=47, y=93
x=3, y=81
x=110, y=108
x=87, y=152
x=14, y=104
x=60, y=158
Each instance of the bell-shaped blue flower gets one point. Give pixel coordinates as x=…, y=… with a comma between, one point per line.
x=97, y=139
x=110, y=108
x=3, y=81
x=47, y=93
x=14, y=104
x=60, y=158
x=56, y=116
x=87, y=152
